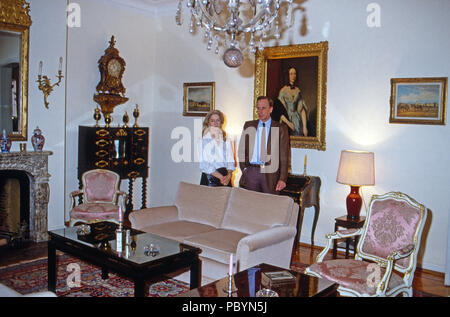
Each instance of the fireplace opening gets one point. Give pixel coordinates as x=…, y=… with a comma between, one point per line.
x=14, y=207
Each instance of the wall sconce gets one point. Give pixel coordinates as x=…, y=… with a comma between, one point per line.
x=44, y=81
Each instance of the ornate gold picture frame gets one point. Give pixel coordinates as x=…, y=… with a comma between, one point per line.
x=15, y=22
x=300, y=103
x=418, y=100
x=198, y=98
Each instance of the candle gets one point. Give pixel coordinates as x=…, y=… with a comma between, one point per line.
x=40, y=68
x=60, y=63
x=230, y=269
x=120, y=214
x=305, y=160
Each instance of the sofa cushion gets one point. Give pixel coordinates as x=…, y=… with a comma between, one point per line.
x=216, y=245
x=202, y=204
x=178, y=230
x=249, y=211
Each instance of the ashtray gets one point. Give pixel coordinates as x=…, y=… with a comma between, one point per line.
x=151, y=250
x=265, y=292
x=83, y=230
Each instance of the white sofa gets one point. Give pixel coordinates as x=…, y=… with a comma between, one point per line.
x=255, y=227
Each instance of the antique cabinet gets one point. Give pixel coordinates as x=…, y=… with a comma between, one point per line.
x=119, y=149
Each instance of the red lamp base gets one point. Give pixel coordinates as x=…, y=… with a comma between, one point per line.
x=354, y=203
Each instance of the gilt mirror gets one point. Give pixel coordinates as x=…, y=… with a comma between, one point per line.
x=15, y=23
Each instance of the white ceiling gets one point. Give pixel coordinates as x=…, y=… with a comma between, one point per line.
x=150, y=3
x=147, y=5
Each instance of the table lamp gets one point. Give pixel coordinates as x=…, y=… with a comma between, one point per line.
x=356, y=168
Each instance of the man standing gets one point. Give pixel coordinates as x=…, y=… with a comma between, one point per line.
x=264, y=151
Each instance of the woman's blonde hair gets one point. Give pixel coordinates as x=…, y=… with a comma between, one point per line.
x=206, y=122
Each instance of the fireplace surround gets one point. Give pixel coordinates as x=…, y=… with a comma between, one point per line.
x=35, y=165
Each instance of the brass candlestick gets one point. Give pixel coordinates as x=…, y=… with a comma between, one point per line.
x=44, y=82
x=136, y=115
x=230, y=289
x=97, y=116
x=108, y=120
x=125, y=120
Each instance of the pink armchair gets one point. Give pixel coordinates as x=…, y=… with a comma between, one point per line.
x=101, y=198
x=386, y=255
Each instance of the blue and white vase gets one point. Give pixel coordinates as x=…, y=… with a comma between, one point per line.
x=37, y=140
x=5, y=142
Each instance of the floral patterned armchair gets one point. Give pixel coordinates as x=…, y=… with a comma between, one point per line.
x=386, y=254
x=101, y=198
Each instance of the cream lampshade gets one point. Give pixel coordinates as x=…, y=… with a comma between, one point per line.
x=356, y=168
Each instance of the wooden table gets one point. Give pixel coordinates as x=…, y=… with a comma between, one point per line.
x=347, y=223
x=98, y=248
x=304, y=189
x=303, y=286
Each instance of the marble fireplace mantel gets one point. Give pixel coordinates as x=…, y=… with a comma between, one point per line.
x=35, y=165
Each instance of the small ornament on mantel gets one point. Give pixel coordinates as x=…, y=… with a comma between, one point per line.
x=97, y=116
x=5, y=142
x=136, y=115
x=37, y=140
x=125, y=120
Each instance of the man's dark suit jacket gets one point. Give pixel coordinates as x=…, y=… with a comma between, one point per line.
x=278, y=151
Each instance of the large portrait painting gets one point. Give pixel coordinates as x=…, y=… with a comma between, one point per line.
x=418, y=100
x=295, y=78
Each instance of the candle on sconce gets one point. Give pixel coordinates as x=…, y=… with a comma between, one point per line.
x=60, y=63
x=230, y=268
x=305, y=161
x=40, y=68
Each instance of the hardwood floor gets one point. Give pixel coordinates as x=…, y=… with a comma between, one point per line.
x=424, y=280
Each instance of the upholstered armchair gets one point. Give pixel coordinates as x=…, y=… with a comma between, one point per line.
x=101, y=198
x=386, y=254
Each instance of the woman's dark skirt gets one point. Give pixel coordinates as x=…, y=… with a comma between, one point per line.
x=212, y=181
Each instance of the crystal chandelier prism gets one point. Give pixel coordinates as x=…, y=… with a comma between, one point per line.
x=237, y=25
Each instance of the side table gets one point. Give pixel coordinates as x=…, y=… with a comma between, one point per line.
x=347, y=223
x=305, y=190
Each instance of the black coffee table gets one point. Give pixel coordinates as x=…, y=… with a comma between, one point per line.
x=99, y=248
x=302, y=286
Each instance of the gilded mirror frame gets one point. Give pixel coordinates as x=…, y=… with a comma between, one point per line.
x=14, y=16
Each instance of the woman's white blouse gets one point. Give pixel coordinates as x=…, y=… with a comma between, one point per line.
x=213, y=155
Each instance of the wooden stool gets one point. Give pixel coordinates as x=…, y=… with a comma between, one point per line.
x=347, y=223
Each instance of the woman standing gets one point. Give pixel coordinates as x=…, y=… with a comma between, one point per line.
x=215, y=153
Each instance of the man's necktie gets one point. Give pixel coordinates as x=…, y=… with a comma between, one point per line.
x=263, y=151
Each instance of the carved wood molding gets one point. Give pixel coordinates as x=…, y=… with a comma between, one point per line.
x=15, y=12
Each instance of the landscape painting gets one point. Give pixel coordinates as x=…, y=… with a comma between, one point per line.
x=418, y=100
x=198, y=98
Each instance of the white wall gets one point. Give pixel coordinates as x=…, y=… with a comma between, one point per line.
x=411, y=42
x=447, y=265
x=47, y=44
x=86, y=44
x=361, y=61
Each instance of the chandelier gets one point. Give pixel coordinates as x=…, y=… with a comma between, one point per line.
x=236, y=25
